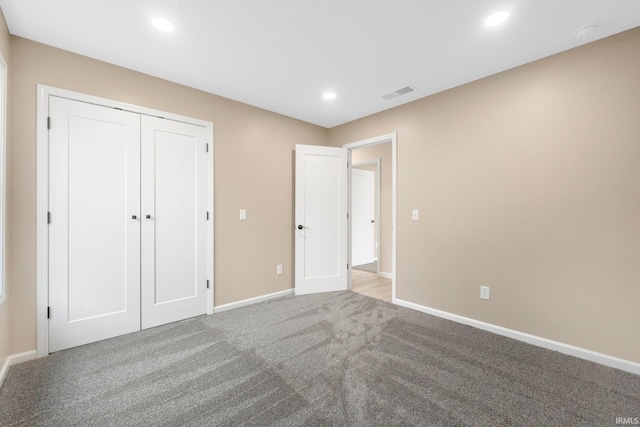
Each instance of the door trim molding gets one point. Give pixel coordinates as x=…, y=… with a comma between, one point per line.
x=382, y=139
x=42, y=196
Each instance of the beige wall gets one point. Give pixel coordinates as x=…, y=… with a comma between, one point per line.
x=382, y=151
x=253, y=170
x=528, y=182
x=4, y=308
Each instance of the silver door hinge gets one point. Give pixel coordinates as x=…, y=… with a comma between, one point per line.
x=48, y=122
x=347, y=215
x=207, y=283
x=207, y=215
x=347, y=266
x=48, y=312
x=207, y=148
x=48, y=217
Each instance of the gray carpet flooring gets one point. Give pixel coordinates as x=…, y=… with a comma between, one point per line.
x=333, y=359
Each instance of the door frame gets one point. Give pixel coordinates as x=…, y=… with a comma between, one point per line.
x=42, y=196
x=378, y=204
x=382, y=139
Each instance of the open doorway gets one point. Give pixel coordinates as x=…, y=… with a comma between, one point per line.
x=373, y=217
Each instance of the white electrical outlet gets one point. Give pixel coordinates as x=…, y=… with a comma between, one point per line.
x=485, y=292
x=243, y=214
x=279, y=269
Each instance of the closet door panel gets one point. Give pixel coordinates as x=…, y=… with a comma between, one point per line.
x=94, y=243
x=174, y=221
x=176, y=226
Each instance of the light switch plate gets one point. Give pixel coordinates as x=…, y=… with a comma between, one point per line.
x=243, y=214
x=415, y=214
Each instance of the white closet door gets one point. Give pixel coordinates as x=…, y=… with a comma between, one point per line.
x=94, y=243
x=174, y=221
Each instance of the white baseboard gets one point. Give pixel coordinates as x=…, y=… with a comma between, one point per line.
x=250, y=301
x=14, y=360
x=385, y=275
x=603, y=359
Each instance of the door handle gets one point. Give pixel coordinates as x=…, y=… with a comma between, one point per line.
x=372, y=221
x=134, y=217
x=300, y=227
x=148, y=216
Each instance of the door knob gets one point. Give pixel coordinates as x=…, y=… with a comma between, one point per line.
x=134, y=217
x=372, y=221
x=300, y=227
x=148, y=216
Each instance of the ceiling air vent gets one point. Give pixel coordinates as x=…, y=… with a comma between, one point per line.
x=402, y=91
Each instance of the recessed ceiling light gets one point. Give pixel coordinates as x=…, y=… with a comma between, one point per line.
x=329, y=95
x=162, y=25
x=496, y=19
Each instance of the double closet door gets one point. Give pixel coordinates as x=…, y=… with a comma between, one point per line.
x=128, y=222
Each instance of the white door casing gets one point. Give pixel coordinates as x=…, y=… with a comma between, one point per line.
x=49, y=209
x=362, y=217
x=94, y=242
x=321, y=207
x=128, y=236
x=174, y=221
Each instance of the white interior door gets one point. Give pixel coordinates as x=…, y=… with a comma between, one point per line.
x=321, y=219
x=174, y=221
x=94, y=239
x=363, y=217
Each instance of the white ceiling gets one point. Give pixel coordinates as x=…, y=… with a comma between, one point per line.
x=282, y=55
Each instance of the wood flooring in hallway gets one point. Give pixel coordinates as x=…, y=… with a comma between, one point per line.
x=371, y=285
